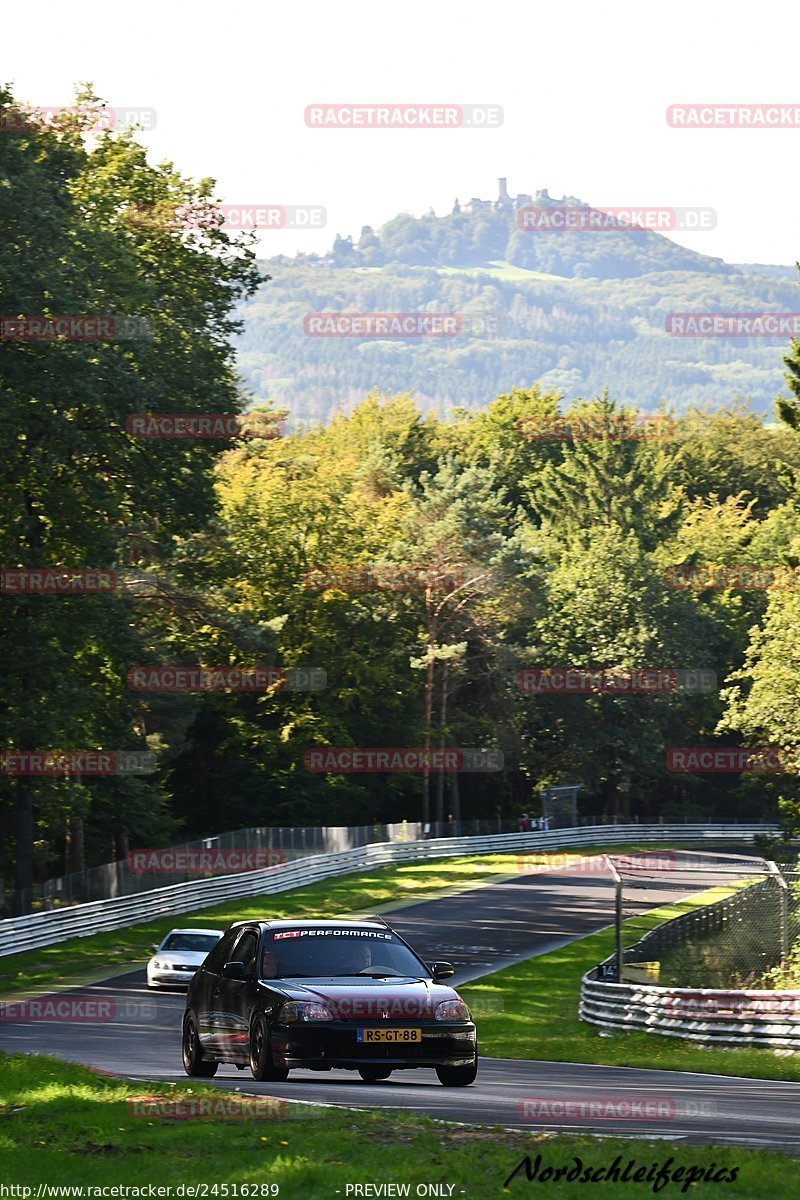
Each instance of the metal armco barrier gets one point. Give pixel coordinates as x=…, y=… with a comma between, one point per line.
x=746, y=1018
x=81, y=920
x=722, y=1016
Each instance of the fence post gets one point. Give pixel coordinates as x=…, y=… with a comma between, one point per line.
x=618, y=913
x=784, y=895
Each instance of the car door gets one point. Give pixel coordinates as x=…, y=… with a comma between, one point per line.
x=233, y=999
x=204, y=990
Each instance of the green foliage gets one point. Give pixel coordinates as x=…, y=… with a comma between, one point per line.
x=531, y=549
x=78, y=491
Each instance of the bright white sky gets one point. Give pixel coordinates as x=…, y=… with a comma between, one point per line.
x=584, y=87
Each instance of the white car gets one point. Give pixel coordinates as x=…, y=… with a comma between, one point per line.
x=179, y=955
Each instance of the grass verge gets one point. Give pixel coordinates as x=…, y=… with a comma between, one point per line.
x=530, y=1011
x=64, y=1125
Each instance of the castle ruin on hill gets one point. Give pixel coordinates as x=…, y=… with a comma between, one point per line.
x=508, y=203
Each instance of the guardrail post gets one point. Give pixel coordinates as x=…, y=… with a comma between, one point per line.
x=618, y=913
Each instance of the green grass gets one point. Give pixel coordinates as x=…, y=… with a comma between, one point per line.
x=502, y=270
x=64, y=1125
x=530, y=1011
x=99, y=955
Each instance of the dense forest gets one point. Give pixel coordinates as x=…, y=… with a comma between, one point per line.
x=576, y=310
x=521, y=544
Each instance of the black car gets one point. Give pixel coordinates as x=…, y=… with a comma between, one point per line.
x=320, y=994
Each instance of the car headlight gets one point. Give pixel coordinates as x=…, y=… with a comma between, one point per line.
x=452, y=1010
x=304, y=1010
x=162, y=966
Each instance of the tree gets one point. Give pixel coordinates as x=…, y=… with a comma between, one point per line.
x=607, y=610
x=730, y=452
x=78, y=486
x=460, y=528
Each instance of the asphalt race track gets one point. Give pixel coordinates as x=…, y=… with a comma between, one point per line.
x=479, y=931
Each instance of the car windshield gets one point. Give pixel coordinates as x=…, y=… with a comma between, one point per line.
x=199, y=943
x=327, y=953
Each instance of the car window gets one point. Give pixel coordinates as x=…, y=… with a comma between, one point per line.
x=199, y=943
x=245, y=951
x=219, y=955
x=325, y=953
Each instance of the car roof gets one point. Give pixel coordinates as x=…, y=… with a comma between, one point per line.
x=327, y=923
x=214, y=931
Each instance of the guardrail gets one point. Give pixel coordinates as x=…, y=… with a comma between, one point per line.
x=125, y=878
x=722, y=1016
x=81, y=920
x=707, y=1015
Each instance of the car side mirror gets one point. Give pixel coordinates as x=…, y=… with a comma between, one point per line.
x=234, y=970
x=442, y=970
x=154, y=948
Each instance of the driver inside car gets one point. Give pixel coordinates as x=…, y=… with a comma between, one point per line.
x=358, y=958
x=269, y=965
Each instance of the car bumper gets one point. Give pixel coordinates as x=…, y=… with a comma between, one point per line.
x=161, y=978
x=447, y=1045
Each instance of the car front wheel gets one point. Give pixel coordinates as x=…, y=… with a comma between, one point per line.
x=193, y=1062
x=458, y=1076
x=261, y=1065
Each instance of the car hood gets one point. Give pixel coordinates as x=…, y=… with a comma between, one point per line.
x=368, y=998
x=187, y=958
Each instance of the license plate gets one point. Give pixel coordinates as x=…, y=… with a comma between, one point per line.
x=389, y=1035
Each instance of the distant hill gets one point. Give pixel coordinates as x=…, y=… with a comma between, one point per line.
x=578, y=310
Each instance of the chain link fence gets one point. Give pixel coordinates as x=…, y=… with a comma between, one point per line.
x=285, y=843
x=265, y=846
x=744, y=934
